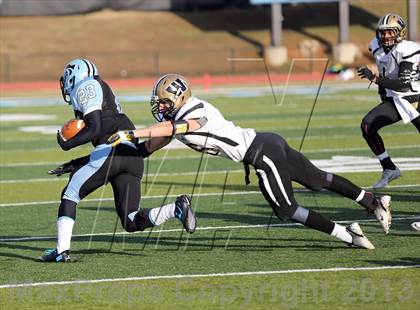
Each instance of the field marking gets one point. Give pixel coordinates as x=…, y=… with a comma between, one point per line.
x=296, y=190
x=159, y=231
x=176, y=145
x=29, y=203
x=324, y=150
x=336, y=164
x=351, y=169
x=209, y=275
x=26, y=117
x=52, y=163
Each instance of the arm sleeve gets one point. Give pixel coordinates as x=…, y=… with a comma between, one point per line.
x=78, y=114
x=143, y=151
x=146, y=148
x=79, y=162
x=90, y=132
x=403, y=83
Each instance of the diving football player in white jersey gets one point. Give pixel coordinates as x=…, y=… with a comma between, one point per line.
x=199, y=125
x=399, y=88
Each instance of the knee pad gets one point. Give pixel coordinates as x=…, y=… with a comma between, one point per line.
x=285, y=213
x=129, y=226
x=366, y=127
x=139, y=223
x=67, y=208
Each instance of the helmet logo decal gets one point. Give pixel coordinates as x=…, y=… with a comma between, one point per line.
x=177, y=87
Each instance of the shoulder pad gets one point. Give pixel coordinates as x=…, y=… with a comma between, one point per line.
x=374, y=46
x=407, y=49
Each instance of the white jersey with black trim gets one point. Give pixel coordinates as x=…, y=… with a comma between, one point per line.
x=388, y=67
x=218, y=136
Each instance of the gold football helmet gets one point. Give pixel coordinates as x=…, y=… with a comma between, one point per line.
x=392, y=22
x=170, y=89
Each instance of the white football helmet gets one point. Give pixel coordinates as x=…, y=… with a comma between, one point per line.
x=74, y=72
x=394, y=23
x=172, y=89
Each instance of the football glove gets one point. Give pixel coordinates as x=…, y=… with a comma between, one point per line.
x=63, y=143
x=365, y=73
x=120, y=136
x=62, y=169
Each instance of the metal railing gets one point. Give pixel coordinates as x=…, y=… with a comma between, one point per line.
x=18, y=67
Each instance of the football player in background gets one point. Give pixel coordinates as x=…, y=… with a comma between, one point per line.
x=398, y=83
x=199, y=125
x=93, y=101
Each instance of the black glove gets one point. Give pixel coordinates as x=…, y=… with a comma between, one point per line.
x=62, y=169
x=365, y=73
x=63, y=144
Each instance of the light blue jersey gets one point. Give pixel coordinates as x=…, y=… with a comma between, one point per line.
x=87, y=96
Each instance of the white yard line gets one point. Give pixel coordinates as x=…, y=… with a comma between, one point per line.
x=209, y=275
x=343, y=169
x=336, y=164
x=53, y=163
x=325, y=150
x=29, y=203
x=65, y=179
x=39, y=203
x=159, y=231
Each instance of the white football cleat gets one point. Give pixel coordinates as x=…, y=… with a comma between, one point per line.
x=359, y=239
x=387, y=176
x=415, y=226
x=383, y=212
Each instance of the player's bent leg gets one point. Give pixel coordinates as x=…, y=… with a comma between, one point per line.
x=370, y=134
x=307, y=174
x=181, y=209
x=127, y=200
x=351, y=235
x=82, y=182
x=288, y=208
x=136, y=221
x=378, y=206
x=380, y=116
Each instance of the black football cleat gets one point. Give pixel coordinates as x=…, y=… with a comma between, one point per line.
x=184, y=213
x=51, y=255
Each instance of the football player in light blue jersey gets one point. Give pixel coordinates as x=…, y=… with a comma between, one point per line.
x=93, y=101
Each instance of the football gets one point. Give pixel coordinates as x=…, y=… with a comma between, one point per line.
x=71, y=128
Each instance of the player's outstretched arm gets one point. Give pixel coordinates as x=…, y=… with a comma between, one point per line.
x=168, y=129
x=163, y=129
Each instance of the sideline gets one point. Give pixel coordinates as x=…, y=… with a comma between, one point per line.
x=210, y=275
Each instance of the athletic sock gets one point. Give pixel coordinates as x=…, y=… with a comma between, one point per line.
x=316, y=221
x=158, y=216
x=313, y=220
x=366, y=200
x=64, y=232
x=341, y=233
x=386, y=161
x=342, y=186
